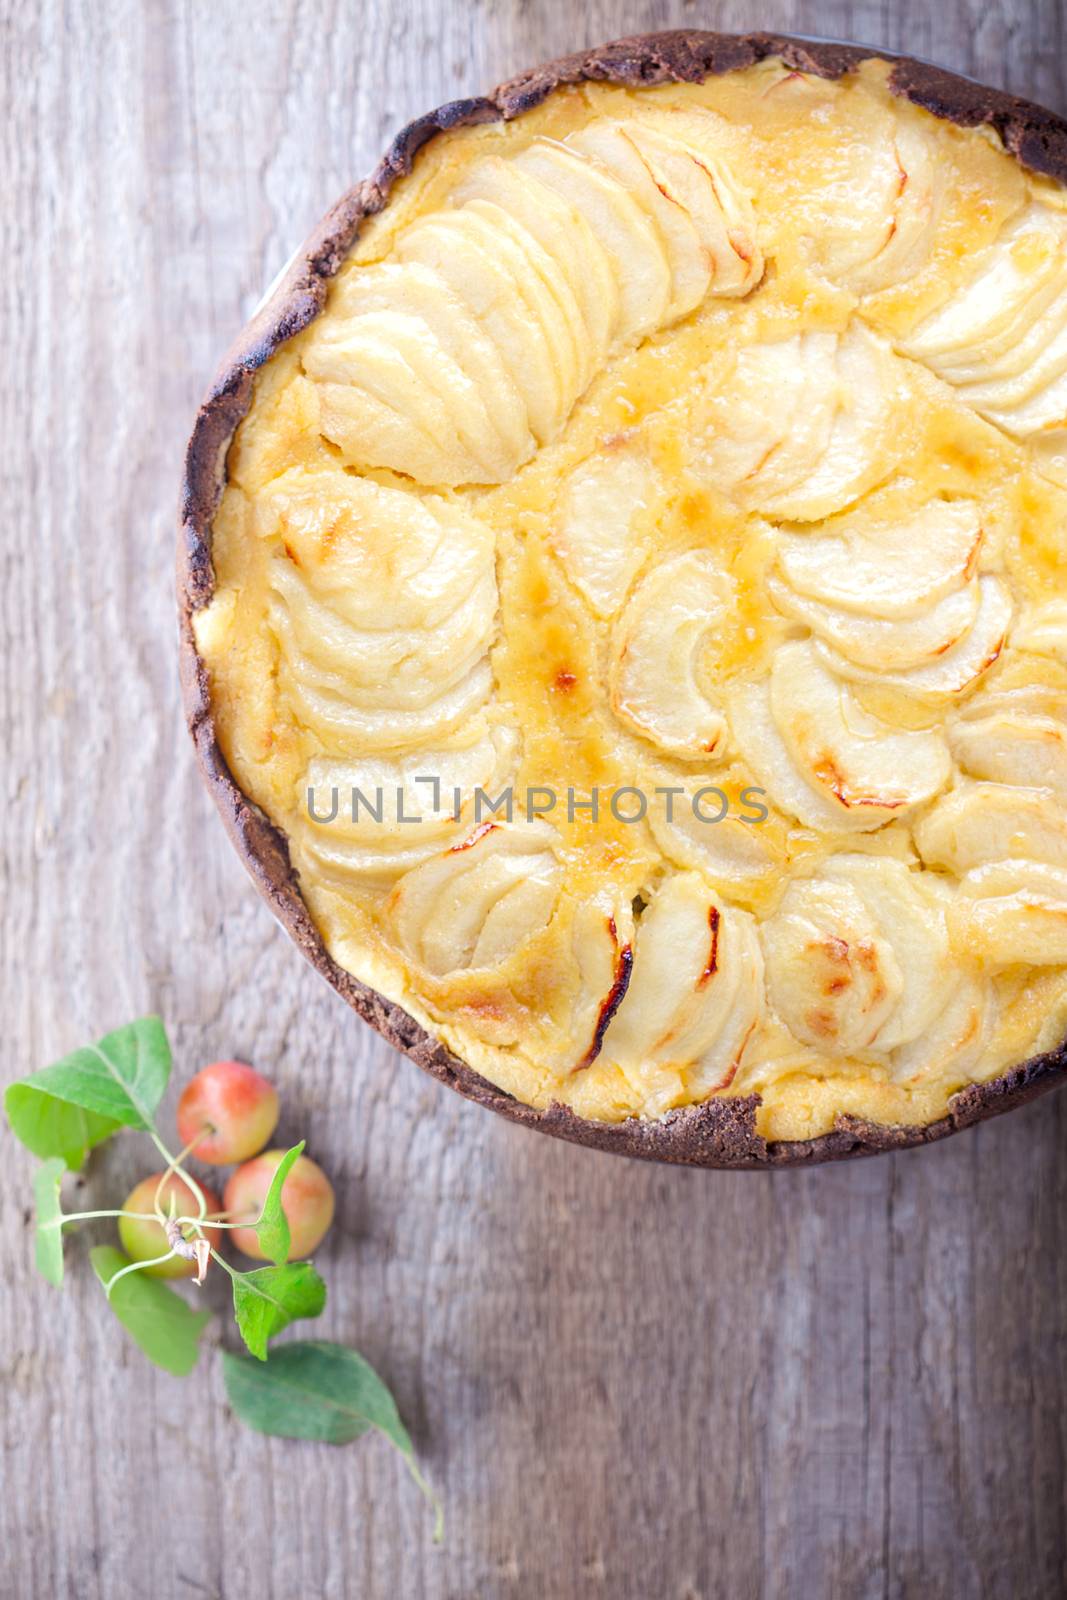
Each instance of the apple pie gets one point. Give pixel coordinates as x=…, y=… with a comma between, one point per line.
x=624, y=591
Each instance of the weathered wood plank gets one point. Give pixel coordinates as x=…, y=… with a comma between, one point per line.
x=626, y=1381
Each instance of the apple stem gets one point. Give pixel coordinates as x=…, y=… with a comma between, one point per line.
x=174, y=1164
x=135, y=1266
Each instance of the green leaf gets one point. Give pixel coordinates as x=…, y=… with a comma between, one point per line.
x=119, y=1081
x=158, y=1320
x=269, y=1299
x=49, y=1127
x=312, y=1389
x=48, y=1239
x=272, y=1229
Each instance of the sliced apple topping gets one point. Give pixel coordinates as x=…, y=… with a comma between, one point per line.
x=489, y=412
x=703, y=222
x=1014, y=736
x=506, y=294
x=696, y=991
x=691, y=154
x=601, y=946
x=383, y=607
x=854, y=760
x=958, y=667
x=756, y=734
x=473, y=906
x=692, y=828
x=979, y=822
x=800, y=428
x=601, y=531
x=858, y=955
x=370, y=820
x=878, y=210
x=951, y=1047
x=831, y=977
x=454, y=360
x=1001, y=341
x=1012, y=911
x=344, y=725
x=895, y=600
x=565, y=235
x=657, y=686
x=885, y=566
x=1043, y=630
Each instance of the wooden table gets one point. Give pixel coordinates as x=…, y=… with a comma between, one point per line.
x=627, y=1381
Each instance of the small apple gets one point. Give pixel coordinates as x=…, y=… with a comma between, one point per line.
x=144, y=1240
x=229, y=1111
x=307, y=1200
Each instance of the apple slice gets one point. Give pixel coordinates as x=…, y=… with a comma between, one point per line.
x=633, y=247
x=344, y=866
x=882, y=207
x=472, y=907
x=988, y=368
x=340, y=723
x=952, y=1045
x=619, y=148
x=760, y=742
x=916, y=212
x=1042, y=628
x=980, y=822
x=1012, y=911
x=896, y=644
x=909, y=909
x=601, y=944
x=1014, y=737
x=1024, y=699
x=800, y=428
x=686, y=161
x=600, y=532
x=514, y=310
x=785, y=469
x=864, y=441
x=655, y=681
x=562, y=231
x=696, y=989
x=958, y=667
x=733, y=854
x=894, y=566
x=852, y=758
x=1015, y=280
x=545, y=288
x=372, y=839
x=1031, y=397
x=857, y=955
x=1002, y=341
x=375, y=795
x=381, y=558
x=1035, y=405
x=404, y=667
x=496, y=411
x=397, y=359
x=831, y=976
x=580, y=359
x=756, y=403
x=369, y=432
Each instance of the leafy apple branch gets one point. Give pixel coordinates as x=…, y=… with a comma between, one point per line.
x=304, y=1390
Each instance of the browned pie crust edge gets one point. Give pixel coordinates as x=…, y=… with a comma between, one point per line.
x=717, y=1133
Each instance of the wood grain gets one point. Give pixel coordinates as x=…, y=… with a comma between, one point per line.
x=627, y=1381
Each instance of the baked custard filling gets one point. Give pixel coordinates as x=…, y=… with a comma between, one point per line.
x=684, y=470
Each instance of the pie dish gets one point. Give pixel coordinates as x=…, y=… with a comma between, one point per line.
x=623, y=589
